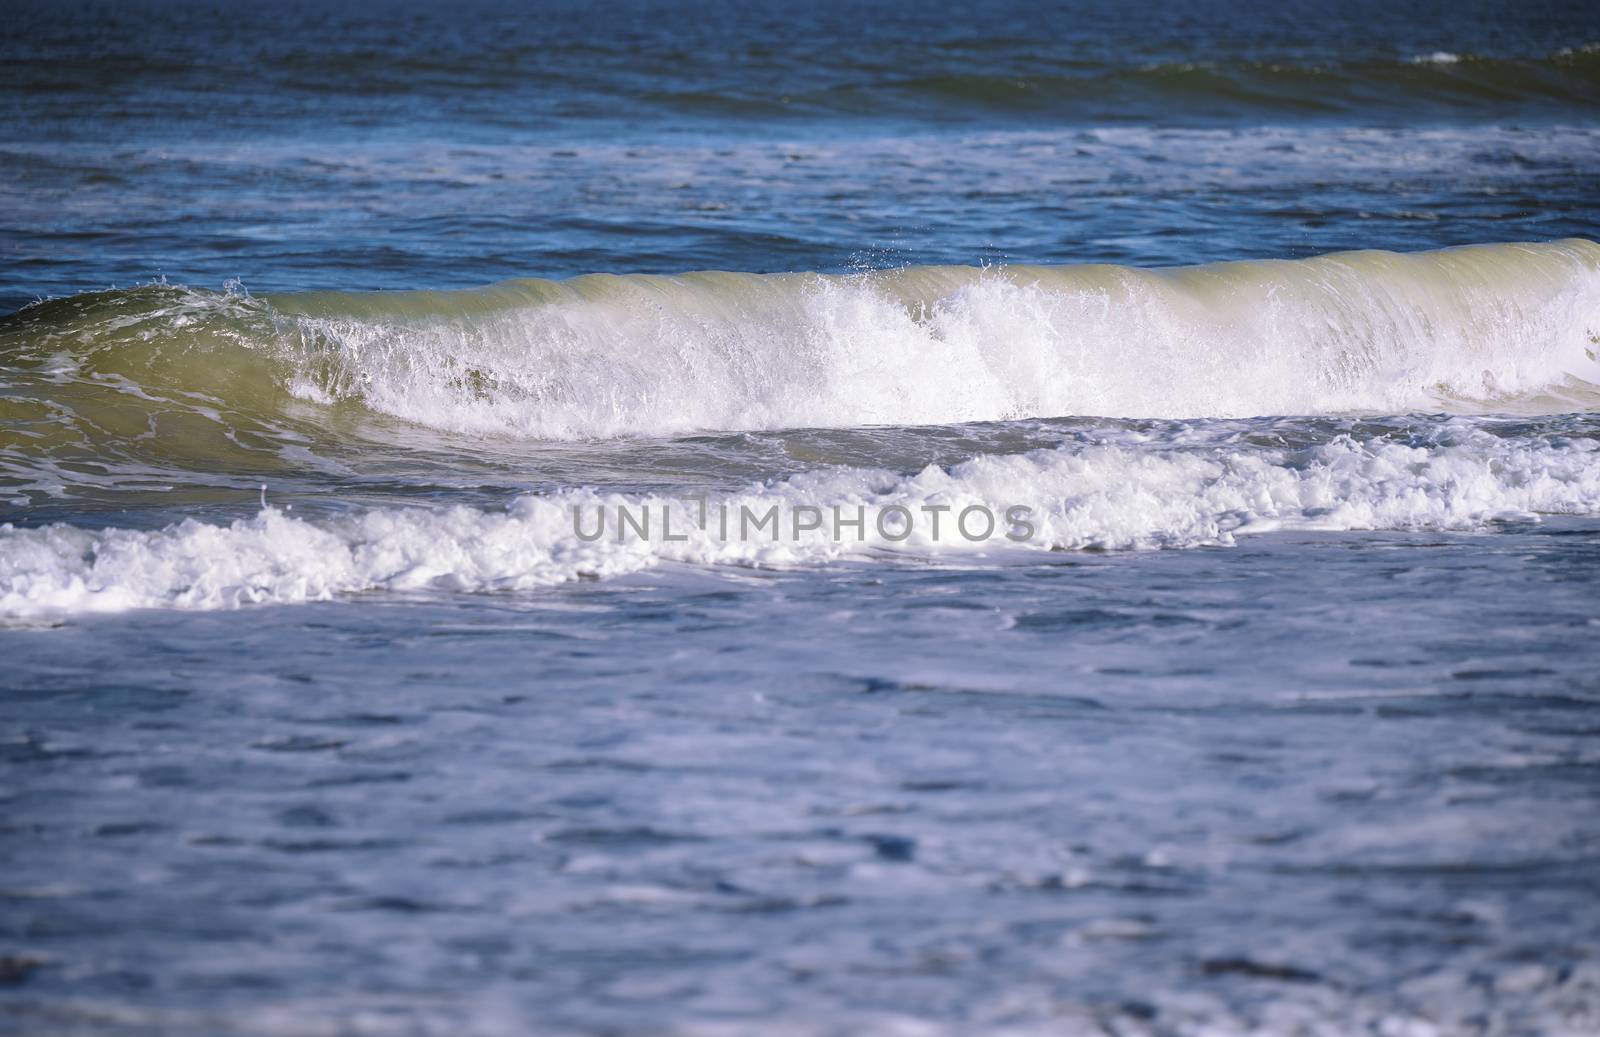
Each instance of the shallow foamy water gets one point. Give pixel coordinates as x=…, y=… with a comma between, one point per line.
x=1306, y=781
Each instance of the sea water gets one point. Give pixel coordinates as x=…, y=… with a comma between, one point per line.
x=490, y=511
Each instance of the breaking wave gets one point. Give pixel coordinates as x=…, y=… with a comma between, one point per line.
x=1478, y=329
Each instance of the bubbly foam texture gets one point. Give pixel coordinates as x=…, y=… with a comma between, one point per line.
x=1476, y=329
x=1125, y=492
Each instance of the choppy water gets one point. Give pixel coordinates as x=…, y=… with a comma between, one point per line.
x=332, y=336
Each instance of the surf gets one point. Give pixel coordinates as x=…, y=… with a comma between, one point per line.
x=1188, y=488
x=207, y=376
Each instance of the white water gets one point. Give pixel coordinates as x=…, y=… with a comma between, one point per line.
x=1127, y=492
x=1480, y=329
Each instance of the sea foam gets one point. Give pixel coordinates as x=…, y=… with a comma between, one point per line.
x=1473, y=329
x=1116, y=493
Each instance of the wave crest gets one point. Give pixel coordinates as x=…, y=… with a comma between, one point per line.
x=1476, y=329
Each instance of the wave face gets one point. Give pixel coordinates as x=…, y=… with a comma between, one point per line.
x=1113, y=493
x=1479, y=329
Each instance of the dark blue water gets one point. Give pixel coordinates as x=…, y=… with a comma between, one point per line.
x=319, y=716
x=395, y=145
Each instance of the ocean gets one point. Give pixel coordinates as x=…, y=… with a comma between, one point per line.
x=885, y=519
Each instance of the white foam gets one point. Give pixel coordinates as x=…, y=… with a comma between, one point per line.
x=1107, y=494
x=1476, y=329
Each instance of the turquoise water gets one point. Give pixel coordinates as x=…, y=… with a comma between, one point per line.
x=330, y=333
